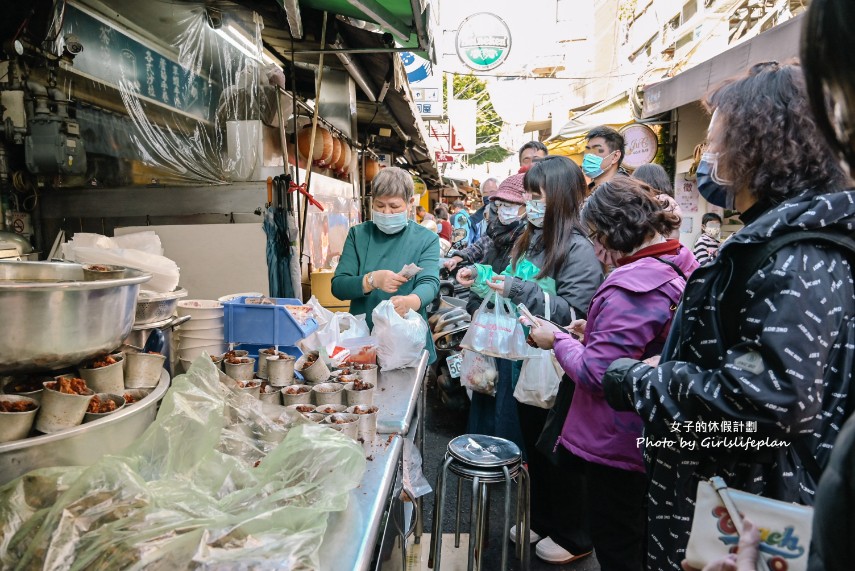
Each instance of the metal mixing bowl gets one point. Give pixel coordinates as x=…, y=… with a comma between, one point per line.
x=52, y=318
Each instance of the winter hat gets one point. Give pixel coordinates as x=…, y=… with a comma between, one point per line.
x=511, y=190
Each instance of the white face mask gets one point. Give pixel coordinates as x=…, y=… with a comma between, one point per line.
x=508, y=214
x=713, y=231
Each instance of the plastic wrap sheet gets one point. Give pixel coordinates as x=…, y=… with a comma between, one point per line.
x=326, y=231
x=220, y=480
x=194, y=90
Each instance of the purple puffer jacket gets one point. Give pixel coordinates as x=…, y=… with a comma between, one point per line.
x=630, y=316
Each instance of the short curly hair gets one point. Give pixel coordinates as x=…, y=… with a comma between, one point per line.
x=625, y=211
x=769, y=142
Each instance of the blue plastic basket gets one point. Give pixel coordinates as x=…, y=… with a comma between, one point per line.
x=268, y=325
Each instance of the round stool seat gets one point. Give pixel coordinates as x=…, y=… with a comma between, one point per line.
x=484, y=451
x=488, y=475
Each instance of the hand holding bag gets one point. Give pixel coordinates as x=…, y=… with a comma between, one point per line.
x=785, y=528
x=495, y=330
x=540, y=375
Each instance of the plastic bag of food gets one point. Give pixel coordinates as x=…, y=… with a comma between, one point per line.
x=478, y=373
x=400, y=340
x=496, y=331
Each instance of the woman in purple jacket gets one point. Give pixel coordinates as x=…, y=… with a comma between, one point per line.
x=629, y=315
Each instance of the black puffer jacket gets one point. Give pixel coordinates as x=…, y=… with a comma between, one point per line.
x=785, y=379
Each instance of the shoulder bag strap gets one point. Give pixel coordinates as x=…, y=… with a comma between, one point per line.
x=674, y=267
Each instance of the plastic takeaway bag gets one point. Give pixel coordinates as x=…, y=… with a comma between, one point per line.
x=540, y=375
x=326, y=335
x=400, y=340
x=539, y=379
x=495, y=330
x=414, y=478
x=478, y=373
x=352, y=326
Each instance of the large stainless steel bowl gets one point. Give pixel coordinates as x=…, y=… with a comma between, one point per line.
x=51, y=318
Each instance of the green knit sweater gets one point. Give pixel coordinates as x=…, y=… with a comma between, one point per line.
x=367, y=249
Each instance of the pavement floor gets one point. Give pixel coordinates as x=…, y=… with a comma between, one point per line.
x=442, y=425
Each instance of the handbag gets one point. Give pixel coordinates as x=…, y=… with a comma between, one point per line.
x=540, y=375
x=785, y=528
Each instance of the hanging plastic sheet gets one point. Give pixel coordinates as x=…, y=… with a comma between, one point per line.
x=326, y=231
x=184, y=98
x=219, y=480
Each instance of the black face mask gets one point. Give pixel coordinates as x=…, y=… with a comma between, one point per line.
x=713, y=192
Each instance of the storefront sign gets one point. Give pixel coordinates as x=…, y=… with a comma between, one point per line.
x=461, y=115
x=426, y=87
x=444, y=157
x=641, y=145
x=483, y=41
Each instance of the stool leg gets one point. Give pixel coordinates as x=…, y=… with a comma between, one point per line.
x=473, y=522
x=507, y=527
x=526, y=547
x=482, y=525
x=518, y=550
x=457, y=517
x=438, y=504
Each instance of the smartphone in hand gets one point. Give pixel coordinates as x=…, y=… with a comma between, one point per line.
x=531, y=317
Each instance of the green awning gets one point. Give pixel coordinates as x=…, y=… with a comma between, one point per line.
x=393, y=16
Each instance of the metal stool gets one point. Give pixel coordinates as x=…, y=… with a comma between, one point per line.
x=484, y=460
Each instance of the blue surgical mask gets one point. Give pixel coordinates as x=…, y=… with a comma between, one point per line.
x=486, y=200
x=535, y=211
x=710, y=186
x=592, y=165
x=389, y=223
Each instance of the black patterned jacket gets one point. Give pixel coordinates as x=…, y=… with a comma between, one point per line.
x=786, y=377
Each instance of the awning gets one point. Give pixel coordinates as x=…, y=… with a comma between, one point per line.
x=779, y=44
x=532, y=126
x=570, y=140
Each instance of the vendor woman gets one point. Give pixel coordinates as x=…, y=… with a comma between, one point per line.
x=375, y=251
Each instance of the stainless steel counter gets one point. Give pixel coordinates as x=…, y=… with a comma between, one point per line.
x=396, y=397
x=352, y=535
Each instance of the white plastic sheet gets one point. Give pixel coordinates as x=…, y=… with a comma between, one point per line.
x=220, y=480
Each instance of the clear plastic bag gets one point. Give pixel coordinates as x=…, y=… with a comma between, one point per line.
x=206, y=486
x=400, y=340
x=495, y=330
x=478, y=373
x=414, y=478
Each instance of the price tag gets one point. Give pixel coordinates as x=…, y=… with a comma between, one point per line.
x=454, y=363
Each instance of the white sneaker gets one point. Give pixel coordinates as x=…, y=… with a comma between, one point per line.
x=551, y=552
x=532, y=536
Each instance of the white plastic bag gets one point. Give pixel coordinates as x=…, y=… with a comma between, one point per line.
x=539, y=379
x=495, y=330
x=400, y=340
x=479, y=373
x=540, y=375
x=164, y=272
x=352, y=326
x=326, y=335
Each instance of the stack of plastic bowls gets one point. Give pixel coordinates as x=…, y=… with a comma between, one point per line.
x=204, y=332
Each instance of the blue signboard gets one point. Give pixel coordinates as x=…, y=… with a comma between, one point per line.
x=115, y=58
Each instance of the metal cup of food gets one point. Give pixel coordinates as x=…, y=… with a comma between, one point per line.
x=270, y=394
x=30, y=386
x=366, y=371
x=133, y=396
x=235, y=353
x=263, y=354
x=313, y=368
x=330, y=408
x=95, y=272
x=296, y=394
x=359, y=392
x=103, y=404
x=240, y=368
x=250, y=387
x=301, y=408
x=280, y=370
x=104, y=374
x=367, y=420
x=345, y=379
x=17, y=414
x=347, y=424
x=64, y=404
x=143, y=370
x=216, y=359
x=315, y=417
x=328, y=393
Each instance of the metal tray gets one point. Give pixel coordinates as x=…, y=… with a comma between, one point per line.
x=85, y=444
